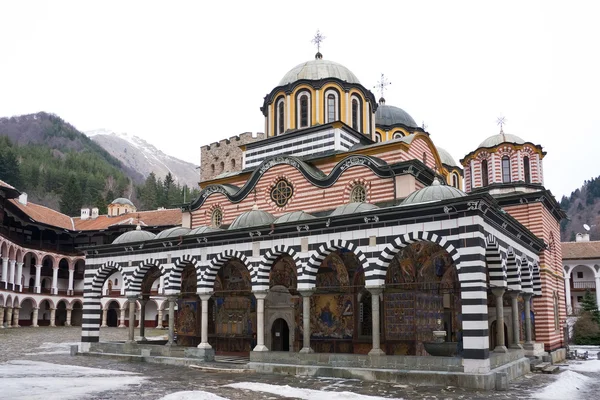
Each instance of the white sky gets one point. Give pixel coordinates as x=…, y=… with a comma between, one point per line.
x=185, y=74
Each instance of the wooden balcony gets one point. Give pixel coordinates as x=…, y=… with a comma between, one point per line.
x=583, y=285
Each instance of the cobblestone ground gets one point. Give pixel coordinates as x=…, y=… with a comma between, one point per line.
x=44, y=344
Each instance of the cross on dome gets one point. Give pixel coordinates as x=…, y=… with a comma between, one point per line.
x=317, y=40
x=382, y=86
x=501, y=121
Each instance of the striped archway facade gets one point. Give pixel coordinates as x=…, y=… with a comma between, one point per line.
x=479, y=247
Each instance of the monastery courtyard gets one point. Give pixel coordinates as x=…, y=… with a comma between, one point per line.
x=36, y=364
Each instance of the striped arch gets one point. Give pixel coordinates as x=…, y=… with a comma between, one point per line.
x=206, y=281
x=513, y=270
x=526, y=275
x=135, y=282
x=94, y=287
x=309, y=274
x=266, y=263
x=495, y=263
x=173, y=279
x=537, y=280
x=388, y=254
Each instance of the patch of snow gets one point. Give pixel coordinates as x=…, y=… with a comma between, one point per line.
x=300, y=393
x=592, y=350
x=569, y=385
x=586, y=366
x=192, y=395
x=34, y=380
x=53, y=348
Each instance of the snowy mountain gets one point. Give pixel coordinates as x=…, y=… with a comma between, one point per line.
x=144, y=158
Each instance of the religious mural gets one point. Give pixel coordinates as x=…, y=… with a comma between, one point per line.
x=420, y=292
x=234, y=310
x=283, y=273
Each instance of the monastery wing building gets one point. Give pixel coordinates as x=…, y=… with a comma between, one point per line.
x=344, y=230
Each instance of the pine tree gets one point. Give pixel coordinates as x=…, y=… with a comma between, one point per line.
x=72, y=198
x=589, y=305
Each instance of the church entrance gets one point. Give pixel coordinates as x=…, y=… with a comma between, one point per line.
x=280, y=335
x=112, y=318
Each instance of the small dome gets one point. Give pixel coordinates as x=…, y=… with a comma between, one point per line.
x=254, y=217
x=137, y=235
x=353, y=208
x=122, y=200
x=390, y=115
x=293, y=217
x=172, y=232
x=318, y=69
x=202, y=229
x=446, y=157
x=435, y=192
x=500, y=138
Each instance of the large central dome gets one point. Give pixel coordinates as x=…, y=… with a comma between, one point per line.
x=319, y=69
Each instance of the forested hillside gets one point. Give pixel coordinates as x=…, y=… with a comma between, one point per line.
x=63, y=169
x=582, y=207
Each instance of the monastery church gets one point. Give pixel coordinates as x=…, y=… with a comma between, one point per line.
x=344, y=230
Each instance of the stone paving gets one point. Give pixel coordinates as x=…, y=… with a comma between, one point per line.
x=51, y=345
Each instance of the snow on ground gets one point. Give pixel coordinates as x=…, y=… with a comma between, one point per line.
x=567, y=386
x=193, y=395
x=299, y=393
x=586, y=366
x=53, y=348
x=34, y=380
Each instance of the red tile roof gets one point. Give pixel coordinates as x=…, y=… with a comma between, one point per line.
x=168, y=217
x=580, y=250
x=44, y=215
x=48, y=216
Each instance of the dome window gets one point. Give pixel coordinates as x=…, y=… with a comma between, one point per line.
x=505, y=169
x=303, y=111
x=484, y=173
x=358, y=194
x=356, y=120
x=377, y=138
x=455, y=180
x=397, y=135
x=526, y=169
x=280, y=116
x=330, y=108
x=282, y=192
x=216, y=218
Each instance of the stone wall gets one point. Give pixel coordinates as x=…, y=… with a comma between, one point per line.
x=224, y=156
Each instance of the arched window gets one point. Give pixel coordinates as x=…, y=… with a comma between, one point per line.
x=233, y=163
x=358, y=194
x=330, y=107
x=505, y=169
x=455, y=180
x=355, y=118
x=212, y=168
x=526, y=169
x=303, y=111
x=222, y=165
x=484, y=173
x=377, y=138
x=216, y=218
x=556, y=313
x=280, y=117
x=116, y=282
x=425, y=158
x=398, y=135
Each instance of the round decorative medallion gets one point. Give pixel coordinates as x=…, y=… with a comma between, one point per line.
x=282, y=192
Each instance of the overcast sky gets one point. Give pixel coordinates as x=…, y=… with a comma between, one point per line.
x=186, y=74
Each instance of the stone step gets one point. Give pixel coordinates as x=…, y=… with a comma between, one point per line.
x=552, y=369
x=540, y=366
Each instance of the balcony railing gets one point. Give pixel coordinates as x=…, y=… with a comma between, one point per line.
x=583, y=284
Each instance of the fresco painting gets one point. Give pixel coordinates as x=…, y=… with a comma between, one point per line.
x=283, y=273
x=420, y=284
